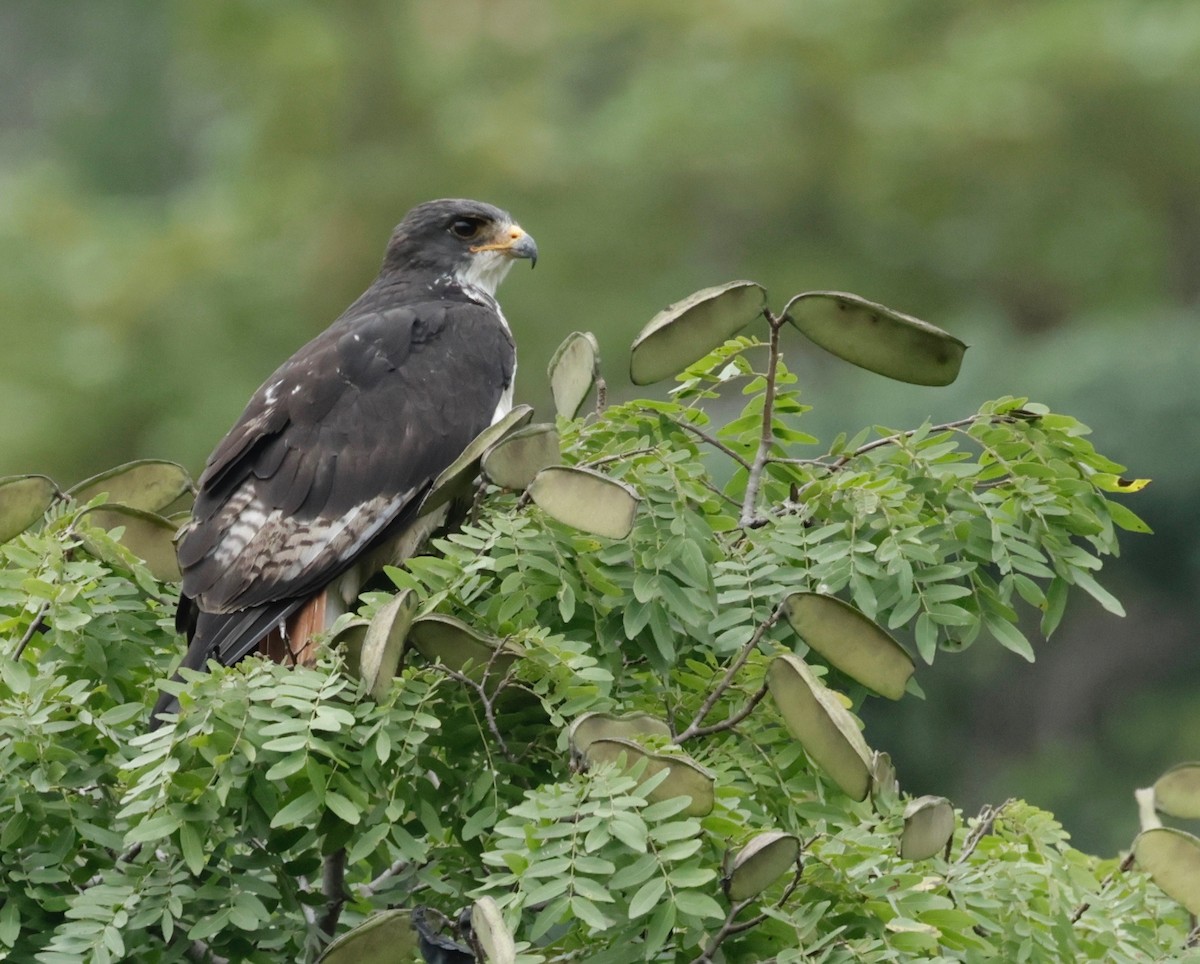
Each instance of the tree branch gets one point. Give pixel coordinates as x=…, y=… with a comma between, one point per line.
x=1122, y=868
x=984, y=823
x=488, y=709
x=201, y=953
x=333, y=886
x=729, y=722
x=729, y=928
x=711, y=440
x=695, y=728
x=364, y=891
x=767, y=436
x=35, y=627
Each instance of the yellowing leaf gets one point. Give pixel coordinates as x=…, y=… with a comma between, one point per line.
x=1114, y=483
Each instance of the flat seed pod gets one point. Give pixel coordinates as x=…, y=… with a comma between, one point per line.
x=815, y=717
x=383, y=641
x=851, y=642
x=686, y=331
x=148, y=484
x=686, y=777
x=1177, y=792
x=381, y=939
x=493, y=935
x=766, y=858
x=598, y=726
x=585, y=500
x=24, y=499
x=572, y=372
x=884, y=781
x=928, y=826
x=1172, y=859
x=878, y=338
x=351, y=633
x=451, y=642
x=513, y=462
x=458, y=475
x=148, y=536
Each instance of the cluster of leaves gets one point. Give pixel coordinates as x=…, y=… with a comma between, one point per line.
x=288, y=803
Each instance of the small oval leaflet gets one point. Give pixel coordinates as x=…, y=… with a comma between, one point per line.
x=1172, y=859
x=599, y=726
x=514, y=461
x=586, y=500
x=451, y=642
x=878, y=338
x=494, y=937
x=851, y=642
x=1177, y=792
x=380, y=939
x=766, y=858
x=147, y=484
x=572, y=371
x=378, y=653
x=24, y=499
x=148, y=536
x=686, y=331
x=928, y=826
x=456, y=478
x=815, y=717
x=685, y=778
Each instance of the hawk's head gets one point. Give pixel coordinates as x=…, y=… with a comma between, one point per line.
x=473, y=242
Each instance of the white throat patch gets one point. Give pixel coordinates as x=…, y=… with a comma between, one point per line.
x=485, y=270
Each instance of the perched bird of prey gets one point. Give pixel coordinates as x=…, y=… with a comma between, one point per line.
x=322, y=476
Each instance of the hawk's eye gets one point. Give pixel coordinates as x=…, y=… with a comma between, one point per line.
x=465, y=228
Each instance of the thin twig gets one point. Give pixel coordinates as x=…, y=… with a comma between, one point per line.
x=310, y=914
x=363, y=891
x=35, y=627
x=477, y=501
x=620, y=455
x=729, y=928
x=333, y=886
x=731, y=721
x=201, y=953
x=711, y=440
x=766, y=438
x=842, y=460
x=1122, y=868
x=601, y=394
x=984, y=824
x=488, y=710
x=710, y=701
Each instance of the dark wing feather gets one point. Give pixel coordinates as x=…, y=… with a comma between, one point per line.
x=336, y=446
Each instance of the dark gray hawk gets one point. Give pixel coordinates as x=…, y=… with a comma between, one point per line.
x=319, y=482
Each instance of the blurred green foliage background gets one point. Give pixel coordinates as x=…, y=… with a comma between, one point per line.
x=189, y=191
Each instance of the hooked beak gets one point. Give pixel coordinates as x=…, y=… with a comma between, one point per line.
x=513, y=241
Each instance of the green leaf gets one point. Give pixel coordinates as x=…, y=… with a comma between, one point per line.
x=1008, y=635
x=342, y=807
x=647, y=897
x=192, y=848
x=697, y=904
x=297, y=810
x=1085, y=581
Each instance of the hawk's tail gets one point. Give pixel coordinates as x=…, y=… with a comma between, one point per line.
x=225, y=637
